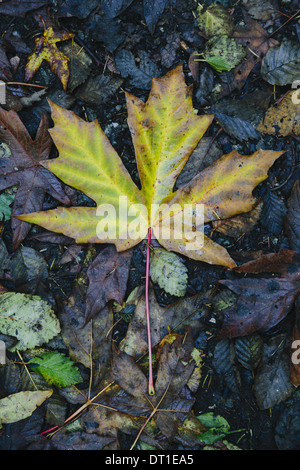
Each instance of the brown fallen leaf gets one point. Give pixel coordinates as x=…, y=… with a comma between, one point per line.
x=282, y=119
x=170, y=405
x=23, y=168
x=108, y=275
x=17, y=8
x=262, y=302
x=261, y=10
x=46, y=49
x=89, y=343
x=240, y=224
x=256, y=42
x=174, y=317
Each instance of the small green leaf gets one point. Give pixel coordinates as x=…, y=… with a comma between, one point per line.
x=169, y=271
x=218, y=428
x=218, y=63
x=218, y=425
x=56, y=368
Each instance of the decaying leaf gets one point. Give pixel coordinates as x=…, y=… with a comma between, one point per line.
x=17, y=8
x=108, y=275
x=21, y=405
x=152, y=11
x=256, y=41
x=237, y=128
x=272, y=381
x=240, y=224
x=187, y=311
x=225, y=364
x=282, y=119
x=140, y=76
x=273, y=212
x=169, y=271
x=28, y=318
x=249, y=350
x=46, y=49
x=262, y=10
x=88, y=343
x=226, y=48
x=215, y=20
x=165, y=130
x=262, y=303
x=169, y=406
x=281, y=65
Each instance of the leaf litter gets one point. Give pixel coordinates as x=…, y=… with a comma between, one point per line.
x=97, y=292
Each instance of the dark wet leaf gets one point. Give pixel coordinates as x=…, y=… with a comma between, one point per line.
x=168, y=53
x=273, y=212
x=10, y=379
x=23, y=168
x=88, y=344
x=113, y=8
x=108, y=275
x=20, y=8
x=224, y=363
x=262, y=10
x=19, y=435
x=262, y=302
x=6, y=71
x=28, y=265
x=235, y=127
x=206, y=83
x=140, y=77
x=256, y=41
x=65, y=440
x=5, y=259
x=96, y=90
x=272, y=381
x=281, y=65
x=171, y=402
x=104, y=29
x=287, y=435
x=249, y=350
x=152, y=11
x=78, y=8
x=293, y=218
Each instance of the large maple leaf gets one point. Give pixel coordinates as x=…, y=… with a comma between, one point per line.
x=165, y=130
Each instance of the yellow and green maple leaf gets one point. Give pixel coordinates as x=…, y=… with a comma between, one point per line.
x=165, y=131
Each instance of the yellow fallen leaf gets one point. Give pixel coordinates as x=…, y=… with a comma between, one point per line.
x=165, y=131
x=46, y=49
